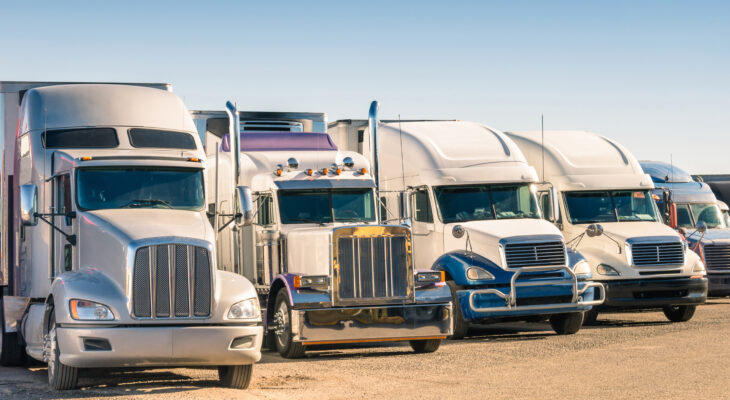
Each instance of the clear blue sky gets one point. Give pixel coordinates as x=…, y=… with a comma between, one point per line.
x=654, y=75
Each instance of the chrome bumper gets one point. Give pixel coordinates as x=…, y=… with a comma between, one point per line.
x=161, y=346
x=372, y=324
x=510, y=298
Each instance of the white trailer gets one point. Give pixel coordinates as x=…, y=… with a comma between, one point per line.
x=607, y=212
x=326, y=269
x=472, y=203
x=111, y=256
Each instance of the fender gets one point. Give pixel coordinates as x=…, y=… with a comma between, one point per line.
x=455, y=264
x=574, y=257
x=86, y=284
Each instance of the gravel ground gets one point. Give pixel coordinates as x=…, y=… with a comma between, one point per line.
x=637, y=355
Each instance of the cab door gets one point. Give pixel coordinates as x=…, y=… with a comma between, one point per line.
x=427, y=242
x=63, y=250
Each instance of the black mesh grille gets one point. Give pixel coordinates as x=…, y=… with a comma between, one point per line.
x=717, y=257
x=534, y=254
x=372, y=267
x=657, y=254
x=176, y=274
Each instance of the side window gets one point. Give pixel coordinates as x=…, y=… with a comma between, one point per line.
x=684, y=219
x=63, y=196
x=422, y=206
x=265, y=209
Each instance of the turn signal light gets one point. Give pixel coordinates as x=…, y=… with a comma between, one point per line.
x=297, y=282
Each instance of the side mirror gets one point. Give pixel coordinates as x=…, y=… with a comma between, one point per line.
x=553, y=213
x=458, y=231
x=29, y=205
x=594, y=230
x=701, y=226
x=244, y=206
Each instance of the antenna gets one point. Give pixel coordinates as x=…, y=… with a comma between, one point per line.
x=542, y=143
x=402, y=168
x=671, y=164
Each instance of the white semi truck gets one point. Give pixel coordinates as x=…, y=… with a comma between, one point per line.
x=327, y=271
x=472, y=201
x=607, y=212
x=108, y=255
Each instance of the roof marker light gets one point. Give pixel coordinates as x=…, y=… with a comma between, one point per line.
x=278, y=172
x=194, y=159
x=363, y=171
x=325, y=171
x=309, y=172
x=338, y=171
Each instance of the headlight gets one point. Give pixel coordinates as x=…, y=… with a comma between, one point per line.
x=607, y=270
x=629, y=259
x=247, y=309
x=430, y=277
x=582, y=268
x=478, y=274
x=84, y=310
x=312, y=281
x=698, y=267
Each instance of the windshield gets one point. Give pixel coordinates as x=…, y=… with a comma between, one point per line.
x=688, y=215
x=480, y=202
x=133, y=187
x=610, y=206
x=326, y=205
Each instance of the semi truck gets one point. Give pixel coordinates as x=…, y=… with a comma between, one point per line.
x=471, y=199
x=606, y=211
x=108, y=256
x=326, y=270
x=691, y=207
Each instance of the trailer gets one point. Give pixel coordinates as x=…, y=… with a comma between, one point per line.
x=471, y=200
x=326, y=270
x=606, y=211
x=108, y=255
x=690, y=206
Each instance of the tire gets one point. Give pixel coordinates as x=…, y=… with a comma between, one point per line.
x=679, y=313
x=12, y=351
x=282, y=328
x=566, y=324
x=425, y=346
x=461, y=326
x=590, y=317
x=235, y=376
x=60, y=376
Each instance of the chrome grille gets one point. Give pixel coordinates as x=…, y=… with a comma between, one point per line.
x=171, y=281
x=717, y=257
x=534, y=254
x=373, y=268
x=657, y=254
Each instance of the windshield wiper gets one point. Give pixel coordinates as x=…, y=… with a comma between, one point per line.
x=146, y=202
x=312, y=221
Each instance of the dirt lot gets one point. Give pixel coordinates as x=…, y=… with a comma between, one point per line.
x=637, y=355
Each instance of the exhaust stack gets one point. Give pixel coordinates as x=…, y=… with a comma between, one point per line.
x=234, y=129
x=373, y=132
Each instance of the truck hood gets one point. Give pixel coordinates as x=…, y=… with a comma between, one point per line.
x=105, y=235
x=485, y=236
x=712, y=236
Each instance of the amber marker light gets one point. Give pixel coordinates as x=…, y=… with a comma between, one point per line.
x=297, y=282
x=194, y=159
x=338, y=171
x=85, y=158
x=278, y=172
x=309, y=172
x=325, y=171
x=363, y=171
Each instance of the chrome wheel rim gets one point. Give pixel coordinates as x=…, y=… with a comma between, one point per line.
x=281, y=324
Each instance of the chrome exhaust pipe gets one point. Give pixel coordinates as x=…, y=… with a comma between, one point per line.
x=373, y=132
x=234, y=129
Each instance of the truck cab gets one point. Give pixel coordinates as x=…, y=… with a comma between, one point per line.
x=691, y=207
x=606, y=212
x=116, y=257
x=326, y=269
x=471, y=199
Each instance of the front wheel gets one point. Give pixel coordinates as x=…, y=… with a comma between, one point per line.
x=679, y=313
x=425, y=346
x=60, y=376
x=566, y=324
x=235, y=376
x=285, y=344
x=461, y=326
x=590, y=317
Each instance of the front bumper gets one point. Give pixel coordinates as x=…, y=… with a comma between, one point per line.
x=718, y=285
x=372, y=324
x=651, y=293
x=161, y=346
